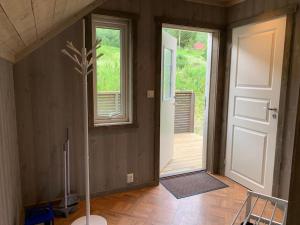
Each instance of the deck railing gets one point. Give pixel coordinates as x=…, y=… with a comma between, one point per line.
x=184, y=111
x=110, y=102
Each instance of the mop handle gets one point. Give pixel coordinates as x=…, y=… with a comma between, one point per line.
x=65, y=175
x=68, y=162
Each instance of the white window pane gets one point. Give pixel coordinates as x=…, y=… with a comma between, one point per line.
x=167, y=75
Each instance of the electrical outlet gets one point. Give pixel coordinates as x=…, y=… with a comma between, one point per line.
x=130, y=178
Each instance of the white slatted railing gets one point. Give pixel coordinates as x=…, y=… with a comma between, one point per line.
x=108, y=103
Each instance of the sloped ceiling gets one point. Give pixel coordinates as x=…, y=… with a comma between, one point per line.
x=26, y=24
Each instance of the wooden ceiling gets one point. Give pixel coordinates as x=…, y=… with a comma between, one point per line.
x=25, y=24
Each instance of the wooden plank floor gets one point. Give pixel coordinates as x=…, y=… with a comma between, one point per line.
x=157, y=206
x=188, y=154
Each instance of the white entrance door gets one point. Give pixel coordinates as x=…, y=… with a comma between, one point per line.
x=255, y=81
x=167, y=113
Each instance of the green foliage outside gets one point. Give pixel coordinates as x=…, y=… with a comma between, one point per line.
x=191, y=66
x=191, y=69
x=108, y=66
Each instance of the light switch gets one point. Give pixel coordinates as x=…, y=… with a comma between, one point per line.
x=150, y=94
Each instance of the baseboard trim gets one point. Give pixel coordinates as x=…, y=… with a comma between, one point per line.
x=122, y=190
x=103, y=193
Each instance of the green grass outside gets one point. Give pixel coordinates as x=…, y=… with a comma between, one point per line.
x=108, y=69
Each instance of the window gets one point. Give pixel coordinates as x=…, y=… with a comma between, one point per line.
x=113, y=71
x=167, y=74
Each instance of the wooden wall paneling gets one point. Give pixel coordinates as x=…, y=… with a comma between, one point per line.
x=21, y=16
x=268, y=15
x=286, y=70
x=10, y=192
x=3, y=172
x=291, y=112
x=132, y=152
x=120, y=160
x=274, y=4
x=25, y=127
x=98, y=153
x=145, y=81
x=257, y=7
x=294, y=195
x=43, y=140
x=225, y=103
x=158, y=41
x=209, y=16
x=57, y=105
x=221, y=3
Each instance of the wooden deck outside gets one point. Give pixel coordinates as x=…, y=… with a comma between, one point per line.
x=188, y=154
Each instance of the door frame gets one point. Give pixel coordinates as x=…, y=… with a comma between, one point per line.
x=289, y=12
x=215, y=106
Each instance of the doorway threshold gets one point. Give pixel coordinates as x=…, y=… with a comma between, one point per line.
x=179, y=172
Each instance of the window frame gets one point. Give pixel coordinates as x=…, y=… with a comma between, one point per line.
x=126, y=65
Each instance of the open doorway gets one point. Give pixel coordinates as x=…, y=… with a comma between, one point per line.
x=185, y=81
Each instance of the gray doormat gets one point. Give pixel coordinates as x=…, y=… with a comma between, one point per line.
x=189, y=184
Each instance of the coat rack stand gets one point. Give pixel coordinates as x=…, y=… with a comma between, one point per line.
x=84, y=62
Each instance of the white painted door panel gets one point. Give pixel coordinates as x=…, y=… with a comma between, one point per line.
x=255, y=81
x=167, y=113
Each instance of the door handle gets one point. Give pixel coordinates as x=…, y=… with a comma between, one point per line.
x=271, y=109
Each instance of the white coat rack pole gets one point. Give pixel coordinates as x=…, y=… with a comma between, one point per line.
x=87, y=60
x=85, y=129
